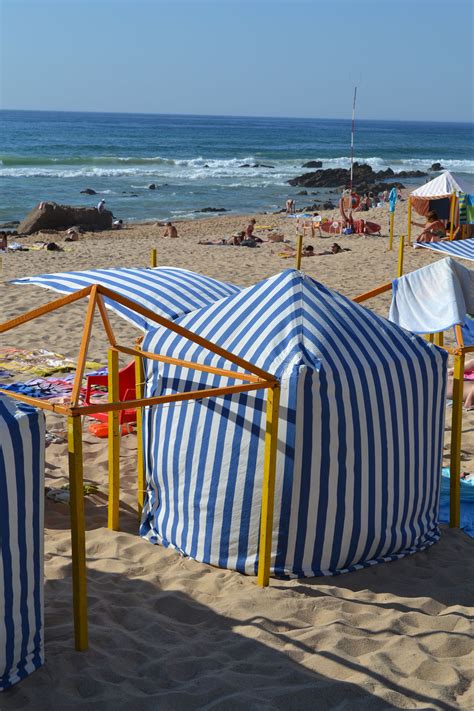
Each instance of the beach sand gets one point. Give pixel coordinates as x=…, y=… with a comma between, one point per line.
x=169, y=633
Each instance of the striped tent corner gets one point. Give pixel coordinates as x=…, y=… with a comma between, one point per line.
x=359, y=441
x=463, y=248
x=167, y=291
x=22, y=434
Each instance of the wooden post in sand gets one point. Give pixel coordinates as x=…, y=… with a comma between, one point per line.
x=451, y=214
x=114, y=442
x=409, y=221
x=401, y=248
x=268, y=489
x=299, y=249
x=153, y=259
x=390, y=243
x=78, y=532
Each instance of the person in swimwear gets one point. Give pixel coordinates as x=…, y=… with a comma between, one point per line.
x=434, y=229
x=170, y=231
x=468, y=389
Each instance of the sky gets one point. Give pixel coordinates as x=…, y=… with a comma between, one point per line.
x=410, y=59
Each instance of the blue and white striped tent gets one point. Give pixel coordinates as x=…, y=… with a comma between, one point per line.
x=463, y=248
x=359, y=442
x=22, y=433
x=167, y=291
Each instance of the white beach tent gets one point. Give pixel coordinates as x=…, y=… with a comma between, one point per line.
x=167, y=291
x=445, y=186
x=359, y=443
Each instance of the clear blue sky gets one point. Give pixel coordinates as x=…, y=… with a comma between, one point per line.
x=411, y=59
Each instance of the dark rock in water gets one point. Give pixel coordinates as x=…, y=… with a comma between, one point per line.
x=51, y=216
x=205, y=165
x=212, y=209
x=245, y=165
x=311, y=208
x=256, y=165
x=436, y=166
x=302, y=192
x=88, y=191
x=279, y=212
x=129, y=194
x=152, y=186
x=313, y=164
x=328, y=206
x=363, y=176
x=7, y=225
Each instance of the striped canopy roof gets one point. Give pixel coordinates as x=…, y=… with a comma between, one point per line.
x=442, y=186
x=167, y=291
x=463, y=248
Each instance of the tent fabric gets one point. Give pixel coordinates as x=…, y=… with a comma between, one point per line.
x=433, y=298
x=22, y=436
x=167, y=291
x=359, y=441
x=443, y=186
x=463, y=248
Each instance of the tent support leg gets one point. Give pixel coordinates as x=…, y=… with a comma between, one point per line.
x=139, y=377
x=455, y=457
x=153, y=259
x=114, y=443
x=268, y=492
x=439, y=339
x=78, y=533
x=299, y=249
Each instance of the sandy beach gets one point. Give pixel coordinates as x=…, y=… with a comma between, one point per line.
x=169, y=633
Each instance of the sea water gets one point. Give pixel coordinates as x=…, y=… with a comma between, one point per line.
x=197, y=161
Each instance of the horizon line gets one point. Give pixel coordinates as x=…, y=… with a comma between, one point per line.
x=237, y=116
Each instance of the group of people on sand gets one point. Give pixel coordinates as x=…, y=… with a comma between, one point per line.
x=244, y=238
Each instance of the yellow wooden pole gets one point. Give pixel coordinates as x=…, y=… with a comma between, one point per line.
x=401, y=248
x=439, y=339
x=268, y=490
x=78, y=532
x=139, y=387
x=451, y=215
x=409, y=221
x=299, y=249
x=153, y=259
x=114, y=442
x=390, y=243
x=455, y=456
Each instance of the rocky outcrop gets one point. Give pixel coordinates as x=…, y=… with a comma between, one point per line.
x=436, y=167
x=212, y=209
x=302, y=192
x=88, y=191
x=363, y=177
x=152, y=186
x=51, y=216
x=313, y=164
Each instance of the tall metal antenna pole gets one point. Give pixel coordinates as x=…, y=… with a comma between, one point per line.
x=352, y=139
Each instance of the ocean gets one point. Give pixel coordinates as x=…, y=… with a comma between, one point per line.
x=196, y=161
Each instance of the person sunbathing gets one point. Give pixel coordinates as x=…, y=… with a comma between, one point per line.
x=170, y=231
x=468, y=389
x=334, y=249
x=434, y=229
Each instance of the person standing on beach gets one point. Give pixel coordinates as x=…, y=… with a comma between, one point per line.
x=101, y=207
x=170, y=231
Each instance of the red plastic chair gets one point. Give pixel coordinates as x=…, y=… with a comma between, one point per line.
x=126, y=392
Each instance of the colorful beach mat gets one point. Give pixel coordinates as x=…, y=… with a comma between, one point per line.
x=37, y=362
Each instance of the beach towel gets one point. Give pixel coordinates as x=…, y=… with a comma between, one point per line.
x=466, y=209
x=467, y=502
x=433, y=298
x=38, y=361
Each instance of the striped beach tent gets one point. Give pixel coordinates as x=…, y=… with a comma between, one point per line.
x=22, y=434
x=359, y=441
x=463, y=248
x=167, y=291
